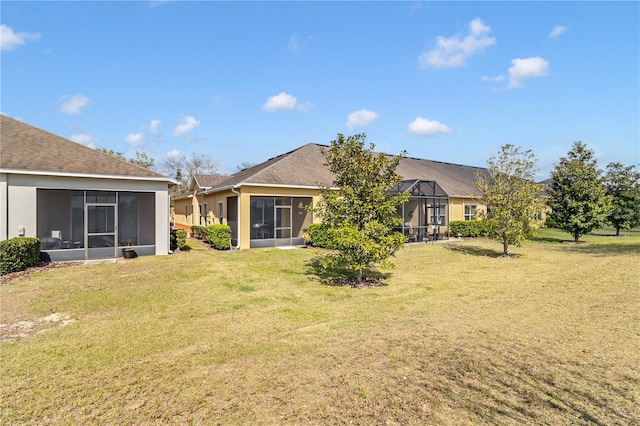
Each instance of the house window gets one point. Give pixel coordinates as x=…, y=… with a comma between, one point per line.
x=220, y=211
x=470, y=212
x=204, y=214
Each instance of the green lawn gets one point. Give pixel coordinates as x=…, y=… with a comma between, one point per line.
x=460, y=335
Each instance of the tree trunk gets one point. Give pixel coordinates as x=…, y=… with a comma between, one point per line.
x=505, y=248
x=617, y=231
x=576, y=238
x=359, y=277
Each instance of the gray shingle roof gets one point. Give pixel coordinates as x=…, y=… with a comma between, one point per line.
x=24, y=147
x=208, y=181
x=305, y=166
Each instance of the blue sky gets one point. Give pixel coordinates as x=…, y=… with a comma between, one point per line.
x=244, y=81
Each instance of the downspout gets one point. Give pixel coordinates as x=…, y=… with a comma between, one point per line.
x=233, y=189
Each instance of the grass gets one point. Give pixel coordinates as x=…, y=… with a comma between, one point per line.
x=459, y=336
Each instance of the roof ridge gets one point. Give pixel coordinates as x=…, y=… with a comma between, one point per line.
x=278, y=159
x=443, y=162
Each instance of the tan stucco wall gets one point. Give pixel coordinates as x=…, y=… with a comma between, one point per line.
x=245, y=198
x=456, y=205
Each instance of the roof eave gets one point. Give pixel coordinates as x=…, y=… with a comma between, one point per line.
x=87, y=175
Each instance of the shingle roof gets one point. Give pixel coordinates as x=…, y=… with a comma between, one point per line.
x=208, y=181
x=24, y=147
x=305, y=166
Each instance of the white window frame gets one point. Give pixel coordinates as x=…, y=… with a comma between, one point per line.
x=470, y=216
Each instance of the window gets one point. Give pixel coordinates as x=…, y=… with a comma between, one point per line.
x=220, y=211
x=204, y=214
x=470, y=212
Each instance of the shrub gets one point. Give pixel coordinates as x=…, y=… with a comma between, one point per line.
x=469, y=228
x=200, y=232
x=219, y=236
x=18, y=254
x=173, y=239
x=550, y=222
x=319, y=235
x=179, y=239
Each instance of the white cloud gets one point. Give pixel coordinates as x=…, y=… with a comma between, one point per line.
x=153, y=127
x=361, y=118
x=72, y=104
x=495, y=79
x=284, y=100
x=526, y=68
x=9, y=40
x=173, y=154
x=296, y=44
x=135, y=139
x=425, y=127
x=84, y=139
x=557, y=31
x=188, y=123
x=454, y=51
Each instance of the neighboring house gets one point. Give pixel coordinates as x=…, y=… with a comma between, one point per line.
x=267, y=205
x=193, y=210
x=81, y=203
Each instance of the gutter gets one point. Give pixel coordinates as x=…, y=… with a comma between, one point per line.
x=85, y=175
x=233, y=189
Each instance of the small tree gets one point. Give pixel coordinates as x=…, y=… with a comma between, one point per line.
x=578, y=197
x=623, y=185
x=360, y=216
x=511, y=195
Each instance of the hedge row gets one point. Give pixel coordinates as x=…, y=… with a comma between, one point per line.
x=219, y=236
x=18, y=254
x=469, y=228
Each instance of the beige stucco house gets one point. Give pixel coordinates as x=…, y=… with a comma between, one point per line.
x=266, y=205
x=81, y=203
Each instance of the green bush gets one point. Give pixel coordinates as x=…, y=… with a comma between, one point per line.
x=181, y=239
x=550, y=222
x=173, y=239
x=219, y=236
x=18, y=254
x=200, y=232
x=319, y=235
x=469, y=228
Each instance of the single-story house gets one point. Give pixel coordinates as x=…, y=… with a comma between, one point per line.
x=266, y=205
x=81, y=203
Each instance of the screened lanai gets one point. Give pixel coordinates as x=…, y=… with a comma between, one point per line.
x=426, y=213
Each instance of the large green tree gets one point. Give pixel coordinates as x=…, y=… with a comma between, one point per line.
x=512, y=197
x=578, y=197
x=623, y=185
x=360, y=216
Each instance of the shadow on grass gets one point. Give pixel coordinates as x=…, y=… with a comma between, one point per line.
x=479, y=251
x=336, y=276
x=603, y=249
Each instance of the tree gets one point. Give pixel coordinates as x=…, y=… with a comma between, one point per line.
x=183, y=168
x=362, y=214
x=244, y=165
x=511, y=195
x=141, y=159
x=623, y=185
x=578, y=197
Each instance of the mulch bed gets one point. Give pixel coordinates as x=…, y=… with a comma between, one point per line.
x=352, y=282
